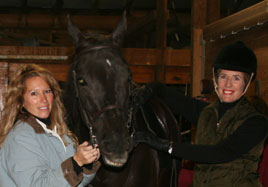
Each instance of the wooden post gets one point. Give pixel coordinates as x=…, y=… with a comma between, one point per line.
x=213, y=10
x=197, y=62
x=201, y=10
x=3, y=83
x=161, y=38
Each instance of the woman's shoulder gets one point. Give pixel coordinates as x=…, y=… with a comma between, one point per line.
x=22, y=126
x=21, y=130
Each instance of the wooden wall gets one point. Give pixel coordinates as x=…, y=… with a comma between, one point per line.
x=144, y=63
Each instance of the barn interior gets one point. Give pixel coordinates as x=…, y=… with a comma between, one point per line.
x=171, y=41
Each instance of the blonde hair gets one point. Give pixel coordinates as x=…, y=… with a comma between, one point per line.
x=14, y=102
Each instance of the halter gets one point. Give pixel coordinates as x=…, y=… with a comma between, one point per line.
x=89, y=120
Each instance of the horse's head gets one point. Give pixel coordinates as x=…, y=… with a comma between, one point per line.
x=101, y=81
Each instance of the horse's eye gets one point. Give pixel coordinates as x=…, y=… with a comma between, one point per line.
x=82, y=82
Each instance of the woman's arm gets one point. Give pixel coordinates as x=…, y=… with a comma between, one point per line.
x=24, y=160
x=246, y=136
x=180, y=104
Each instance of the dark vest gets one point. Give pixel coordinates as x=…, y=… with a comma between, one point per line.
x=241, y=172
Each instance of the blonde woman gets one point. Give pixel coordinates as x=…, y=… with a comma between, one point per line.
x=37, y=148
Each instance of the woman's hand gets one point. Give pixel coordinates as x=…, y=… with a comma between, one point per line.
x=152, y=140
x=86, y=154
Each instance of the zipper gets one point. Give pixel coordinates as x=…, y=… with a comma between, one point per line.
x=217, y=118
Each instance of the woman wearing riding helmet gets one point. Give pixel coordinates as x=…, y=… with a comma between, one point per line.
x=230, y=132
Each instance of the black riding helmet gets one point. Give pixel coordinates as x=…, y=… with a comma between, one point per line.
x=237, y=57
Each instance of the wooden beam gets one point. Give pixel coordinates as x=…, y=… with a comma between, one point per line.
x=213, y=11
x=50, y=21
x=60, y=71
x=59, y=21
x=161, y=37
x=33, y=57
x=47, y=51
x=18, y=37
x=174, y=57
x=161, y=25
x=199, y=16
x=238, y=22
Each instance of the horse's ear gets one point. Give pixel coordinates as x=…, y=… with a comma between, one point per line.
x=73, y=31
x=120, y=31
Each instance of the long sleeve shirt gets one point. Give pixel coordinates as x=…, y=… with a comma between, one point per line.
x=238, y=143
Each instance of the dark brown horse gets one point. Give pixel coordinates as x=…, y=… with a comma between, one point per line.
x=99, y=99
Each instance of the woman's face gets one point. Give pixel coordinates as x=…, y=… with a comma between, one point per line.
x=38, y=97
x=231, y=85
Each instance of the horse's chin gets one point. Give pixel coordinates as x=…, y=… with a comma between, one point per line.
x=115, y=162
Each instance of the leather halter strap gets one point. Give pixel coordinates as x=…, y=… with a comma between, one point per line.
x=96, y=48
x=103, y=110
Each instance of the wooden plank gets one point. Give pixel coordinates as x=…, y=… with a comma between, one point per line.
x=138, y=56
x=60, y=71
x=48, y=51
x=34, y=57
x=143, y=74
x=178, y=75
x=178, y=57
x=242, y=20
x=174, y=57
x=39, y=21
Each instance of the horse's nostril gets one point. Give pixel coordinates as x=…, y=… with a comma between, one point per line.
x=105, y=143
x=118, y=145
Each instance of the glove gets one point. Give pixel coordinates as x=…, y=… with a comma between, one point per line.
x=153, y=141
x=142, y=94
